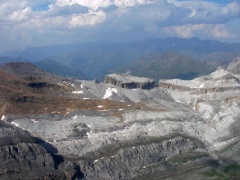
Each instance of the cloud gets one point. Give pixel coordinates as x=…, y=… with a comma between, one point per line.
x=220, y=32
x=91, y=4
x=20, y=15
x=184, y=31
x=90, y=18
x=192, y=30
x=96, y=4
x=208, y=12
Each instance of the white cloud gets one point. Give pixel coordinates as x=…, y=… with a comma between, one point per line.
x=92, y=4
x=12, y=8
x=20, y=15
x=184, y=31
x=131, y=3
x=192, y=30
x=219, y=32
x=96, y=4
x=90, y=18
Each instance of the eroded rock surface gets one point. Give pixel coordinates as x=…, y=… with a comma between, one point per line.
x=129, y=82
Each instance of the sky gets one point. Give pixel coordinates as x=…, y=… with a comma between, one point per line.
x=28, y=23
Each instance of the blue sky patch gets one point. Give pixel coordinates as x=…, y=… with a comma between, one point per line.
x=41, y=7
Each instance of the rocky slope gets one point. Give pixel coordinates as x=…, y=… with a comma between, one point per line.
x=92, y=130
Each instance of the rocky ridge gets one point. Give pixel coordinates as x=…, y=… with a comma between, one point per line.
x=129, y=82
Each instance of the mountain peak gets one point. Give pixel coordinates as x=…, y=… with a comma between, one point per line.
x=234, y=66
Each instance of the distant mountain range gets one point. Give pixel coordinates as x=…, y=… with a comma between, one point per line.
x=144, y=58
x=168, y=65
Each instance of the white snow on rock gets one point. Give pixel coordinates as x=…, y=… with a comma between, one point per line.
x=60, y=84
x=202, y=85
x=95, y=161
x=3, y=117
x=109, y=92
x=120, y=109
x=82, y=86
x=85, y=98
x=100, y=106
x=74, y=117
x=15, y=124
x=77, y=92
x=33, y=120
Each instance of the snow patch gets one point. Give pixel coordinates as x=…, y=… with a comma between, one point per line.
x=77, y=92
x=129, y=105
x=109, y=92
x=75, y=117
x=3, y=117
x=88, y=126
x=202, y=86
x=95, y=161
x=120, y=109
x=15, y=124
x=88, y=135
x=100, y=106
x=33, y=120
x=85, y=98
x=60, y=84
x=82, y=86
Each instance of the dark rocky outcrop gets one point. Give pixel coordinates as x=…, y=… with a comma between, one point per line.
x=23, y=157
x=129, y=82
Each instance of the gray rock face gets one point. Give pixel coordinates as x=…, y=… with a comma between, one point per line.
x=22, y=157
x=129, y=82
x=134, y=161
x=234, y=66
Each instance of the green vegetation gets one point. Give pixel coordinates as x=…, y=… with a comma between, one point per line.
x=229, y=172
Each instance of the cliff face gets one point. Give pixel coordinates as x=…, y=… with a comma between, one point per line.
x=26, y=157
x=129, y=82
